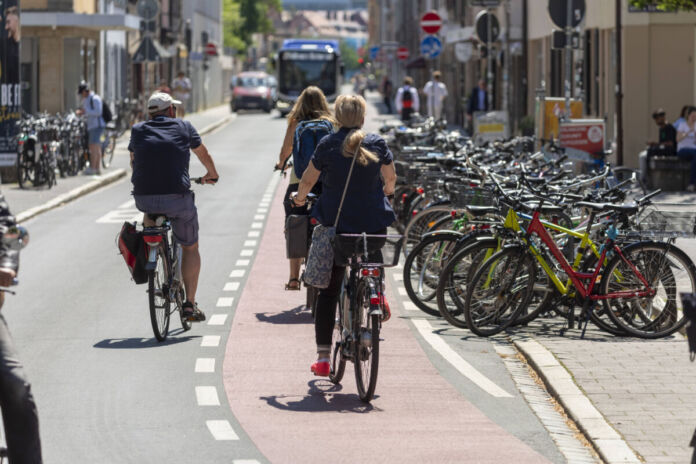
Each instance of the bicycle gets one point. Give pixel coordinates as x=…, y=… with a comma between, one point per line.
x=108, y=144
x=359, y=316
x=165, y=284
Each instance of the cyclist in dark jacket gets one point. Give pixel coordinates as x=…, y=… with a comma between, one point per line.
x=366, y=207
x=19, y=413
x=160, y=152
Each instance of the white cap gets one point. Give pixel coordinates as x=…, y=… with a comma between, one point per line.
x=160, y=101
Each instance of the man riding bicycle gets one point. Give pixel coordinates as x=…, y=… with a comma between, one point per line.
x=160, y=156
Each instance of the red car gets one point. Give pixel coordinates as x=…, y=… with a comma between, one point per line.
x=251, y=90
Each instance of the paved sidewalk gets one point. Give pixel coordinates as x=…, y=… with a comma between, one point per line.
x=21, y=200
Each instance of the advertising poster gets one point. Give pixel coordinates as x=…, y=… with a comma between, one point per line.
x=10, y=92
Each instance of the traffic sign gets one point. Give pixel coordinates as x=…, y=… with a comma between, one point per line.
x=431, y=22
x=558, y=11
x=374, y=51
x=482, y=26
x=402, y=53
x=211, y=49
x=431, y=47
x=147, y=9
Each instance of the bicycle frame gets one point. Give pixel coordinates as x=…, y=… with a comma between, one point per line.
x=537, y=227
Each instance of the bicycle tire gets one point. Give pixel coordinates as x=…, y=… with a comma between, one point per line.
x=418, y=225
x=451, y=292
x=500, y=288
x=420, y=278
x=26, y=170
x=159, y=313
x=366, y=353
x=110, y=148
x=657, y=262
x=338, y=361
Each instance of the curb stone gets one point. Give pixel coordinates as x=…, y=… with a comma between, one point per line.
x=607, y=441
x=71, y=195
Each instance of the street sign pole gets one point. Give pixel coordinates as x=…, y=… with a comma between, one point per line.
x=569, y=54
x=489, y=60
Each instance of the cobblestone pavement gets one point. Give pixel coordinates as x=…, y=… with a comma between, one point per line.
x=646, y=389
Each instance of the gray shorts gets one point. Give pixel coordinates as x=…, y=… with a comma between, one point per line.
x=95, y=135
x=180, y=208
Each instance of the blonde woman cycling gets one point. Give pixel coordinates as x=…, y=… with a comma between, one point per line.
x=309, y=121
x=366, y=207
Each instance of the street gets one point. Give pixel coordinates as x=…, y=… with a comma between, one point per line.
x=238, y=387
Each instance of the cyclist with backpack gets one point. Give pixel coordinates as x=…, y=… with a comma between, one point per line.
x=407, y=101
x=95, y=110
x=309, y=121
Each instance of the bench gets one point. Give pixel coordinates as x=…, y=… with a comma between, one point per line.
x=669, y=173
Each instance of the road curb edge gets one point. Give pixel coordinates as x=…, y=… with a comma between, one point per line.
x=71, y=195
x=607, y=441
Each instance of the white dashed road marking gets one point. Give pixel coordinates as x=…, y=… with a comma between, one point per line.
x=245, y=461
x=225, y=302
x=459, y=363
x=250, y=243
x=231, y=287
x=248, y=252
x=254, y=233
x=410, y=306
x=256, y=225
x=237, y=273
x=222, y=430
x=402, y=291
x=205, y=365
x=210, y=341
x=242, y=262
x=207, y=396
x=217, y=319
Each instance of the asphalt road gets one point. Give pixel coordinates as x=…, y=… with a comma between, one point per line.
x=108, y=392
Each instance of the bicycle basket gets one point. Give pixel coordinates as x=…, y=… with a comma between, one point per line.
x=471, y=196
x=667, y=223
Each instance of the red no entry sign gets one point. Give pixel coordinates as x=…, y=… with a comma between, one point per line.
x=402, y=53
x=431, y=22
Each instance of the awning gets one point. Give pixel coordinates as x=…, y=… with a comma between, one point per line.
x=150, y=50
x=99, y=22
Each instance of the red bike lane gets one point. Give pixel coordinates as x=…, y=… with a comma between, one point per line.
x=293, y=416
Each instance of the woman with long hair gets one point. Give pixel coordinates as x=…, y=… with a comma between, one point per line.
x=366, y=207
x=310, y=106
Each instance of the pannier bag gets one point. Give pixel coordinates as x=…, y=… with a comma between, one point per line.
x=296, y=236
x=133, y=250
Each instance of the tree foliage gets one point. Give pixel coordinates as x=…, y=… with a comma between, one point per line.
x=349, y=56
x=666, y=5
x=244, y=18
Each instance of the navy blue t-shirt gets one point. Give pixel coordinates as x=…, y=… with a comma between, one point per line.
x=161, y=148
x=366, y=208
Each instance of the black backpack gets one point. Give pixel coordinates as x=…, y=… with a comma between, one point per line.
x=106, y=111
x=407, y=98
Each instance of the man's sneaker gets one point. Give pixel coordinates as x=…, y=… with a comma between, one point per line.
x=321, y=368
x=191, y=312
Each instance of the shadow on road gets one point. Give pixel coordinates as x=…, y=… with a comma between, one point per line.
x=322, y=396
x=297, y=315
x=142, y=343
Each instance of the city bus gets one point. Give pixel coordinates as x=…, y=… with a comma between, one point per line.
x=304, y=62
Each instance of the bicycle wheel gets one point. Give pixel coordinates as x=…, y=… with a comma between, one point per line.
x=157, y=284
x=419, y=224
x=109, y=149
x=338, y=361
x=499, y=290
x=668, y=270
x=455, y=277
x=26, y=169
x=422, y=269
x=366, y=353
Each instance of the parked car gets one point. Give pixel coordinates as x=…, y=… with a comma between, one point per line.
x=251, y=90
x=273, y=84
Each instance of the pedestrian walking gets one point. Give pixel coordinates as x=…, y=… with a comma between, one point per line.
x=181, y=90
x=478, y=101
x=309, y=121
x=436, y=92
x=363, y=208
x=92, y=108
x=407, y=101
x=387, y=89
x=686, y=144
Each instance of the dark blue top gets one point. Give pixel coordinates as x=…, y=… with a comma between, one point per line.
x=161, y=148
x=366, y=208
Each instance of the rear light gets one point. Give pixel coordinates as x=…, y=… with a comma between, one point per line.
x=415, y=211
x=420, y=191
x=453, y=213
x=370, y=272
x=374, y=300
x=404, y=197
x=20, y=142
x=152, y=238
x=313, y=221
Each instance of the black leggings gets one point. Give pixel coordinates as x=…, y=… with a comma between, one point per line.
x=325, y=315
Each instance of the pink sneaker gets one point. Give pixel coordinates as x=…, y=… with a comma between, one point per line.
x=321, y=368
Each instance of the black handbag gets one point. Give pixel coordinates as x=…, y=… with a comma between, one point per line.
x=296, y=236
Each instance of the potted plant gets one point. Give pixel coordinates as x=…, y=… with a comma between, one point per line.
x=527, y=126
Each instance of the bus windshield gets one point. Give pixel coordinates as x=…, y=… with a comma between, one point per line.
x=301, y=69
